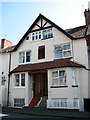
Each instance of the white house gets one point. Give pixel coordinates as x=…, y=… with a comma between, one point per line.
x=49, y=64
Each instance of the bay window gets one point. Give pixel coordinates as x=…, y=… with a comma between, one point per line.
x=58, y=78
x=62, y=51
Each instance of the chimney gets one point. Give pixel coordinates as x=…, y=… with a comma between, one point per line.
x=87, y=14
x=5, y=43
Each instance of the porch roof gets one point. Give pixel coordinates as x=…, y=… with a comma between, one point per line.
x=46, y=66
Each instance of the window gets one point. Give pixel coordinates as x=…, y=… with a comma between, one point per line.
x=63, y=102
x=62, y=51
x=43, y=34
x=24, y=57
x=27, y=38
x=17, y=77
x=19, y=80
x=28, y=56
x=58, y=78
x=21, y=57
x=73, y=78
x=22, y=79
x=19, y=102
x=41, y=52
x=75, y=103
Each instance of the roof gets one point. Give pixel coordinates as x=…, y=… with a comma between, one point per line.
x=77, y=32
x=7, y=49
x=49, y=21
x=46, y=65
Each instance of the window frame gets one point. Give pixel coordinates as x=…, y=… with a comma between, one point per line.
x=62, y=51
x=58, y=78
x=41, y=55
x=20, y=80
x=74, y=81
x=19, y=103
x=25, y=57
x=41, y=33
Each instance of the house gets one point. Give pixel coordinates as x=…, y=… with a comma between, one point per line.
x=49, y=64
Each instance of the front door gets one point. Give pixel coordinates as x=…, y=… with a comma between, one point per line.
x=36, y=84
x=40, y=85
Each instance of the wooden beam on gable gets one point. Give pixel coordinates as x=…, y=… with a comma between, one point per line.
x=44, y=24
x=41, y=28
x=38, y=25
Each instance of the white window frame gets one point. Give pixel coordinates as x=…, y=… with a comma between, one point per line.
x=62, y=51
x=75, y=103
x=41, y=33
x=74, y=82
x=25, y=52
x=18, y=102
x=20, y=84
x=58, y=78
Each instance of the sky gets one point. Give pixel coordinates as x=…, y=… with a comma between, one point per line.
x=16, y=16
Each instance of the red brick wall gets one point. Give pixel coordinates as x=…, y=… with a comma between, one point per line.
x=87, y=16
x=5, y=43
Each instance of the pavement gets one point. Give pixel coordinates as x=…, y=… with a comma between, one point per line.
x=48, y=112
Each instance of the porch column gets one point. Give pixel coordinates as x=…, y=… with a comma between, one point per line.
x=26, y=88
x=41, y=84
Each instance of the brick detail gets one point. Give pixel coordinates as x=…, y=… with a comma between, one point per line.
x=5, y=43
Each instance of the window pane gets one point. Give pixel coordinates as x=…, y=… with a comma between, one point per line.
x=22, y=79
x=17, y=80
x=55, y=74
x=73, y=77
x=61, y=73
x=21, y=57
x=66, y=53
x=44, y=34
x=50, y=33
x=28, y=56
x=55, y=81
x=62, y=81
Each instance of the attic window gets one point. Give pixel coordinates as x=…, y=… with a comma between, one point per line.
x=42, y=34
x=27, y=38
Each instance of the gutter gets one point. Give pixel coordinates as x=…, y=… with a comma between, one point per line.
x=9, y=79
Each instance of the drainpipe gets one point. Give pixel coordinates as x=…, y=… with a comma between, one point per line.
x=9, y=79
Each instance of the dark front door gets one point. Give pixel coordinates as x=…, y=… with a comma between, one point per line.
x=40, y=85
x=36, y=84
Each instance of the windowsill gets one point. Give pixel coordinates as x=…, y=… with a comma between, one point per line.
x=63, y=58
x=24, y=63
x=59, y=86
x=46, y=38
x=74, y=85
x=41, y=39
x=19, y=87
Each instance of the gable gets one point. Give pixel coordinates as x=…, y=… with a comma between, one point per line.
x=39, y=24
